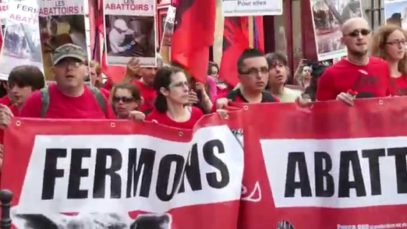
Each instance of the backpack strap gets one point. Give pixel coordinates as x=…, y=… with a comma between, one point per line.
x=44, y=101
x=100, y=99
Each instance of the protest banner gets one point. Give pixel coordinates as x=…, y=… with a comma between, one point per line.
x=130, y=31
x=236, y=8
x=21, y=43
x=61, y=22
x=395, y=12
x=327, y=18
x=331, y=166
x=122, y=174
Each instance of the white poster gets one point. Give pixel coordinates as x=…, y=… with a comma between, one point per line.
x=166, y=39
x=233, y=8
x=328, y=16
x=3, y=11
x=130, y=31
x=61, y=22
x=21, y=43
x=395, y=12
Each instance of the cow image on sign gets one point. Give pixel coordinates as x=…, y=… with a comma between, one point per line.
x=152, y=222
x=93, y=221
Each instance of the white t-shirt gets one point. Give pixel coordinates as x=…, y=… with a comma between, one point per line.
x=289, y=95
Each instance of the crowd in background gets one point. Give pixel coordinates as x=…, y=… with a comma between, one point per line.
x=375, y=66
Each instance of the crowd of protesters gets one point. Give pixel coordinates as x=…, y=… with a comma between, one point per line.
x=375, y=66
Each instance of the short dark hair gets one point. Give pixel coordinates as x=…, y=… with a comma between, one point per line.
x=247, y=53
x=26, y=76
x=163, y=79
x=274, y=57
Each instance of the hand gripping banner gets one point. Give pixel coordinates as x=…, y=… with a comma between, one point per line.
x=123, y=174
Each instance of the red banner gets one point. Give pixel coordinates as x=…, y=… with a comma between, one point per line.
x=121, y=174
x=332, y=166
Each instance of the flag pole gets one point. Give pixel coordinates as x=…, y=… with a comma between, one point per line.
x=251, y=31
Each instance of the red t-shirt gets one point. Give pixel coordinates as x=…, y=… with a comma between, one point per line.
x=66, y=107
x=5, y=100
x=163, y=118
x=148, y=94
x=105, y=92
x=371, y=80
x=398, y=86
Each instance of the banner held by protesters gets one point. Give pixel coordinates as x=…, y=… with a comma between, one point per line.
x=141, y=171
x=333, y=166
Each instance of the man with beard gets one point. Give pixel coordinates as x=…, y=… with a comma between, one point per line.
x=358, y=75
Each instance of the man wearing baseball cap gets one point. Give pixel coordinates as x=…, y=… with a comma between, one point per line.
x=69, y=97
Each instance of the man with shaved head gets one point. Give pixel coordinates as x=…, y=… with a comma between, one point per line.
x=358, y=75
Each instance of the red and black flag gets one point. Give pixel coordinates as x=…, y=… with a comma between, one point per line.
x=235, y=41
x=193, y=35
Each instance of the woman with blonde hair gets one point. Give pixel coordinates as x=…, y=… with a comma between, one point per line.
x=389, y=43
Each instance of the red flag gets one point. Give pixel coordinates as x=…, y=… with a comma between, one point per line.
x=193, y=35
x=235, y=41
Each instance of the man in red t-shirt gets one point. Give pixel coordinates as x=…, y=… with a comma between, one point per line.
x=145, y=85
x=358, y=75
x=253, y=75
x=69, y=97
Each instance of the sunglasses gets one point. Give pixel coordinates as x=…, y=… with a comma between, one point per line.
x=357, y=32
x=122, y=98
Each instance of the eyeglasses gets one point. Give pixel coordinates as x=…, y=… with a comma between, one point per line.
x=125, y=99
x=256, y=71
x=69, y=62
x=357, y=32
x=180, y=84
x=396, y=42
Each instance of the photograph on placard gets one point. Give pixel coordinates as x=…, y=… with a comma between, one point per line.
x=20, y=46
x=395, y=12
x=328, y=16
x=130, y=36
x=58, y=30
x=21, y=41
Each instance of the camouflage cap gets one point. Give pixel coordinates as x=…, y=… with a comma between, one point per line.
x=68, y=50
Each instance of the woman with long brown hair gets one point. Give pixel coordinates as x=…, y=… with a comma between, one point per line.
x=389, y=43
